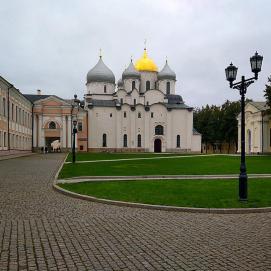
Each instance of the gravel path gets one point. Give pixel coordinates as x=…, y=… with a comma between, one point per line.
x=41, y=229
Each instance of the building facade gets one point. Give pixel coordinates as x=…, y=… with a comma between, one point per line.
x=257, y=128
x=143, y=114
x=15, y=119
x=53, y=120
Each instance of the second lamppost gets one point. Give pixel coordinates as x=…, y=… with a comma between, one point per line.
x=231, y=72
x=74, y=132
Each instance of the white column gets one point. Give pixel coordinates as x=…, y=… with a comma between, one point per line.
x=69, y=132
x=34, y=131
x=40, y=134
x=64, y=132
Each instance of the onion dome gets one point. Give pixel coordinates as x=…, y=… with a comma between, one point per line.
x=166, y=73
x=130, y=72
x=120, y=83
x=100, y=73
x=146, y=64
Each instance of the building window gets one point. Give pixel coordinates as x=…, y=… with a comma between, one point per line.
x=121, y=101
x=168, y=87
x=104, y=88
x=52, y=125
x=110, y=115
x=133, y=85
x=139, y=141
x=151, y=114
x=81, y=147
x=4, y=106
x=178, y=143
x=125, y=140
x=155, y=85
x=134, y=101
x=124, y=114
x=139, y=115
x=12, y=111
x=80, y=126
x=159, y=130
x=104, y=140
x=148, y=85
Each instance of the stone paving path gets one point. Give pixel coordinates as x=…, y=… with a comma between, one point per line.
x=41, y=229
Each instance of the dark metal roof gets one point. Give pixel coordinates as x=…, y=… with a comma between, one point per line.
x=106, y=103
x=174, y=99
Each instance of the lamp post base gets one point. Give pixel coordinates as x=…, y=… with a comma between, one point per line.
x=243, y=187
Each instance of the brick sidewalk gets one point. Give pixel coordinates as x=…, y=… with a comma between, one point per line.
x=41, y=229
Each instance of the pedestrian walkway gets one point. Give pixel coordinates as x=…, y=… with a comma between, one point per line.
x=158, y=177
x=41, y=229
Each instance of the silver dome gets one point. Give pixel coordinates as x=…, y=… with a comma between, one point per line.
x=166, y=73
x=100, y=73
x=130, y=72
x=120, y=83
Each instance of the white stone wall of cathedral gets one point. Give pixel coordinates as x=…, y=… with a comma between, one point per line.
x=127, y=84
x=175, y=122
x=99, y=88
x=154, y=96
x=147, y=76
x=162, y=85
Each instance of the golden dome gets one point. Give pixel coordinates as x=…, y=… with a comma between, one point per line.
x=146, y=64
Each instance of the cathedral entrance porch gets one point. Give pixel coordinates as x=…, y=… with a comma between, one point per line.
x=157, y=145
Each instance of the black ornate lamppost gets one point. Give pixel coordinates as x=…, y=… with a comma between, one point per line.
x=231, y=72
x=75, y=104
x=74, y=131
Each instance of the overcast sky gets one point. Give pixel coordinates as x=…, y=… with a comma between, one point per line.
x=51, y=45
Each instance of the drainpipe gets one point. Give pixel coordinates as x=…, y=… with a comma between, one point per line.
x=11, y=86
x=32, y=127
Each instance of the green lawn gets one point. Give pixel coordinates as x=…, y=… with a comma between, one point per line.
x=169, y=166
x=186, y=193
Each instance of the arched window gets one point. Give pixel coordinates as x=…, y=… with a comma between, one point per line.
x=104, y=88
x=139, y=141
x=148, y=85
x=139, y=115
x=104, y=140
x=159, y=130
x=125, y=140
x=178, y=143
x=52, y=125
x=133, y=85
x=168, y=87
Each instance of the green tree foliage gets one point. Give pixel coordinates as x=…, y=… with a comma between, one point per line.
x=218, y=124
x=267, y=93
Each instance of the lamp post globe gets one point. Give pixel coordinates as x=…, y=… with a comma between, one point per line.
x=256, y=64
x=231, y=73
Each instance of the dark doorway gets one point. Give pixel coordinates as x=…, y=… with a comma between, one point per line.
x=157, y=145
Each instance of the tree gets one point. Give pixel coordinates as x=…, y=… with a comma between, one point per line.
x=218, y=124
x=267, y=93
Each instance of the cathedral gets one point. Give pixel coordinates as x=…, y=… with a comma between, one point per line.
x=142, y=114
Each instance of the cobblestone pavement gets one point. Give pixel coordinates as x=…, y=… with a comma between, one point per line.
x=41, y=229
